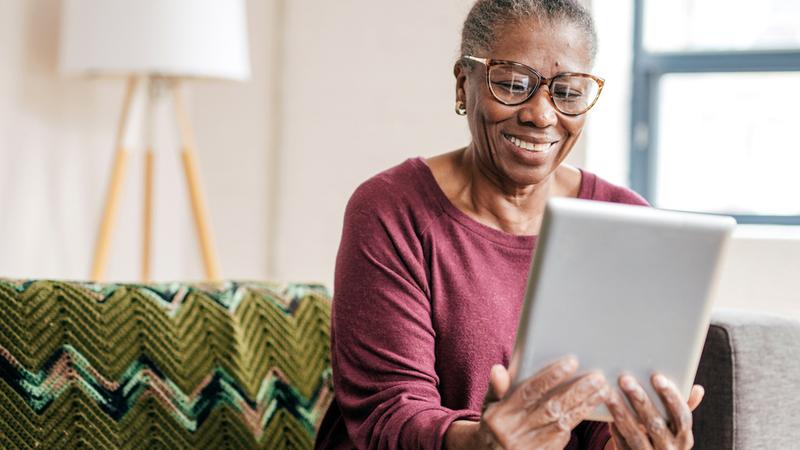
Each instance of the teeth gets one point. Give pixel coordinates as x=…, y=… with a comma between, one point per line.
x=528, y=145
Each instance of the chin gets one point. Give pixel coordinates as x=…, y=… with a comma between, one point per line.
x=529, y=176
x=528, y=168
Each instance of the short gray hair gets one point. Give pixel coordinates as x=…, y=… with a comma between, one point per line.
x=487, y=16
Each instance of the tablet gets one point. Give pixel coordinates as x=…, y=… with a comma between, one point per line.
x=626, y=289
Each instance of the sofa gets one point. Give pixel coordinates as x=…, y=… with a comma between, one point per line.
x=247, y=365
x=750, y=368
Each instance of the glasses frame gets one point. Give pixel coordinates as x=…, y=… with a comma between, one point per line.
x=542, y=81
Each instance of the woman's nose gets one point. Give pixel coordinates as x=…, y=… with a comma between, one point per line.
x=538, y=110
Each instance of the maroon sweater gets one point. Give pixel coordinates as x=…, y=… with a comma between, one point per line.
x=426, y=300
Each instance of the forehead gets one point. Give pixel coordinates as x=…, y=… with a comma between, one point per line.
x=549, y=47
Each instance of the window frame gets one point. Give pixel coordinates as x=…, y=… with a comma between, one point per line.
x=649, y=67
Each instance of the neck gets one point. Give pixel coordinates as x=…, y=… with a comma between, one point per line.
x=499, y=203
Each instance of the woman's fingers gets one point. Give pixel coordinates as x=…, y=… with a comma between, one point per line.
x=574, y=394
x=627, y=424
x=499, y=381
x=678, y=410
x=557, y=432
x=647, y=428
x=648, y=414
x=587, y=394
x=505, y=418
x=532, y=390
x=695, y=397
x=619, y=440
x=565, y=402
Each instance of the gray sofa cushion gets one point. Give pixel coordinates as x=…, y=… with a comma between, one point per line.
x=750, y=368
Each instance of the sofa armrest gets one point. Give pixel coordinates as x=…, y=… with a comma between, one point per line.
x=750, y=368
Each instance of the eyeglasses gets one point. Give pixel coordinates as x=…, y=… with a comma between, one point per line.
x=512, y=83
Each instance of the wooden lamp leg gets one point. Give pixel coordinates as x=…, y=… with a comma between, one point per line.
x=191, y=172
x=114, y=189
x=148, y=214
x=155, y=94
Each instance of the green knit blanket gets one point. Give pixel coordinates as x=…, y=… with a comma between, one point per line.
x=229, y=365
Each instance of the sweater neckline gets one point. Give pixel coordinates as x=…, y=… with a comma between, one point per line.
x=492, y=234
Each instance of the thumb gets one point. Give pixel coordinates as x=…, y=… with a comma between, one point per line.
x=499, y=382
x=696, y=396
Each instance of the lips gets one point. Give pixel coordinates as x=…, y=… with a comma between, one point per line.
x=536, y=147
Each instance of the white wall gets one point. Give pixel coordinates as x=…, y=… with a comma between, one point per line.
x=762, y=271
x=367, y=85
x=606, y=133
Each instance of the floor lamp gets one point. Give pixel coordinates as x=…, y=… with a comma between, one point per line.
x=160, y=42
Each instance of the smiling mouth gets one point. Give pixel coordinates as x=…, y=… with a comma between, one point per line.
x=530, y=146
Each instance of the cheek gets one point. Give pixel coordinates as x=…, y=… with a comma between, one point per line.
x=485, y=110
x=485, y=123
x=573, y=125
x=488, y=113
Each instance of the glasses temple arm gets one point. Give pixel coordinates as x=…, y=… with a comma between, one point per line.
x=480, y=60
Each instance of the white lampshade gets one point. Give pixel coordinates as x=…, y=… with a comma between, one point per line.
x=186, y=38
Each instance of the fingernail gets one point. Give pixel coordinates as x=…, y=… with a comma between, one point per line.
x=627, y=382
x=660, y=381
x=597, y=379
x=570, y=363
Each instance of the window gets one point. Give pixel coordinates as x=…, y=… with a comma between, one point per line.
x=716, y=107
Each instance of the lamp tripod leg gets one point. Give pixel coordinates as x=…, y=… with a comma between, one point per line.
x=155, y=89
x=148, y=214
x=115, y=187
x=199, y=210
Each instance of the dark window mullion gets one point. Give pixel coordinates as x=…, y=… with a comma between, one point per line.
x=767, y=220
x=768, y=61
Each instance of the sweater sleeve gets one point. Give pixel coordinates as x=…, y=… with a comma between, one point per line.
x=383, y=339
x=593, y=435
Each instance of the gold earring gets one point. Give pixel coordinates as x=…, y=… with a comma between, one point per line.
x=461, y=108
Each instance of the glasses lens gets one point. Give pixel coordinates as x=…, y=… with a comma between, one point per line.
x=574, y=94
x=511, y=84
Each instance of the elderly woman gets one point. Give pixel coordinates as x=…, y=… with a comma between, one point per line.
x=434, y=257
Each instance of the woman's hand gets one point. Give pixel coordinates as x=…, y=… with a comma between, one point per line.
x=542, y=412
x=646, y=429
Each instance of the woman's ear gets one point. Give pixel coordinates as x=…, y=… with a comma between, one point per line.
x=460, y=72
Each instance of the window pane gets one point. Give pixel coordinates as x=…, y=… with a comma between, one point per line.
x=729, y=143
x=691, y=25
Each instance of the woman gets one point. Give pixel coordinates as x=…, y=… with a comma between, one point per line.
x=434, y=256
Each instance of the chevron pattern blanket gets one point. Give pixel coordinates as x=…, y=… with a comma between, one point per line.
x=234, y=365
